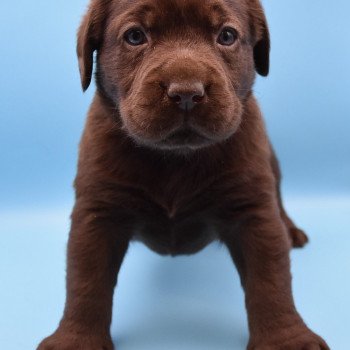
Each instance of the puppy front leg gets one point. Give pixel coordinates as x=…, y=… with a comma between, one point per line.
x=260, y=249
x=95, y=252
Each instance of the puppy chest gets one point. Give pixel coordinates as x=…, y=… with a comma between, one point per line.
x=176, y=237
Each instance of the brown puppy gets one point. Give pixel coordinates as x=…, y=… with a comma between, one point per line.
x=175, y=149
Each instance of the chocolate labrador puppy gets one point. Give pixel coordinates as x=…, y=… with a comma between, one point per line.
x=175, y=154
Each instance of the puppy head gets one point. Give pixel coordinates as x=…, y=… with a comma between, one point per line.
x=178, y=70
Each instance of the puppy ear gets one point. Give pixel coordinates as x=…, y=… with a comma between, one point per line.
x=90, y=35
x=261, y=38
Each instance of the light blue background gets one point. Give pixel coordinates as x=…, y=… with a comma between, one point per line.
x=163, y=303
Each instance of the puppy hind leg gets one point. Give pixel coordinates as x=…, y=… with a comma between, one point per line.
x=297, y=237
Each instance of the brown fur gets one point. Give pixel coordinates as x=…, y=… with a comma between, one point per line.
x=140, y=178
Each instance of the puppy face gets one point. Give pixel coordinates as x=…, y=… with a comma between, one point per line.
x=179, y=70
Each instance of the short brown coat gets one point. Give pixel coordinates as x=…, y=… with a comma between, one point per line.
x=133, y=183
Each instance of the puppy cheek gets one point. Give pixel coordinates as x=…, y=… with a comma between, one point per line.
x=143, y=116
x=234, y=121
x=223, y=115
x=135, y=122
x=229, y=119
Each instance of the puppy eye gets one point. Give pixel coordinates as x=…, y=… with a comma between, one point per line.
x=227, y=37
x=135, y=37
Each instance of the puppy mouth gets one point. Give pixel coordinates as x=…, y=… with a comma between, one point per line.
x=185, y=137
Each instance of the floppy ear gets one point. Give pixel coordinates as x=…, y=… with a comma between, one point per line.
x=90, y=35
x=261, y=38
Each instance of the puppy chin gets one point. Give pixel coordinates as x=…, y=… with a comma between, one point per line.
x=183, y=141
x=183, y=148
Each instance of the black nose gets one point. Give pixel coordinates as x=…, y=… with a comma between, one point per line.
x=186, y=95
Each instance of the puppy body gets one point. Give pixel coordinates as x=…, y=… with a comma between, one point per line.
x=176, y=203
x=178, y=170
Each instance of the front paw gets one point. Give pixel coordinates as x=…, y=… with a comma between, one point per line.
x=70, y=340
x=300, y=338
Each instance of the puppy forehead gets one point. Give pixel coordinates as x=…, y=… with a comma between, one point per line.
x=165, y=13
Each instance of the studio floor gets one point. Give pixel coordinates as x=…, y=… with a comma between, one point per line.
x=186, y=303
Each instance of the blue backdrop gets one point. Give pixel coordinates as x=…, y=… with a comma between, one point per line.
x=306, y=105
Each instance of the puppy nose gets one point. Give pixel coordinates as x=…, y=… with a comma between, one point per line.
x=186, y=95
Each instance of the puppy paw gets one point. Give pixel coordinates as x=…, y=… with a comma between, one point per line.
x=298, y=237
x=290, y=340
x=74, y=341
